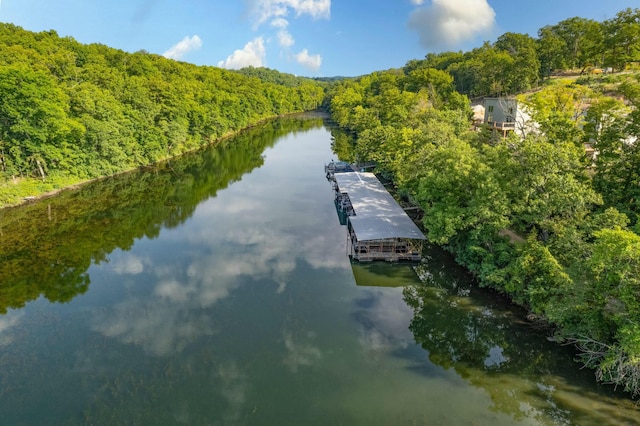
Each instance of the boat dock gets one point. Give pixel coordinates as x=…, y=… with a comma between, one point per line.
x=378, y=228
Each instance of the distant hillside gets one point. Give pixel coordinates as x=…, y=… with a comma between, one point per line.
x=273, y=76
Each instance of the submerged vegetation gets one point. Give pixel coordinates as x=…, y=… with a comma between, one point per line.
x=530, y=216
x=71, y=112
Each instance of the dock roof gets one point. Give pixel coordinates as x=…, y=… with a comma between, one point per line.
x=378, y=215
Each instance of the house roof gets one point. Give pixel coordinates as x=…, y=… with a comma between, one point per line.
x=377, y=215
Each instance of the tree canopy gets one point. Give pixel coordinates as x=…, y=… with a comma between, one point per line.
x=75, y=111
x=530, y=216
x=517, y=62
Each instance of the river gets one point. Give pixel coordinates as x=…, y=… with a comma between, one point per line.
x=216, y=289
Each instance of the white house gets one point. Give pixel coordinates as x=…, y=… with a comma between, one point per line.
x=506, y=115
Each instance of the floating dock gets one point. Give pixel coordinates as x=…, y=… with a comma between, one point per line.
x=378, y=228
x=337, y=167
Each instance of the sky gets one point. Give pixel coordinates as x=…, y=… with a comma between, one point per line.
x=314, y=38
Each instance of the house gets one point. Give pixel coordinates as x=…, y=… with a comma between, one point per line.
x=505, y=115
x=500, y=114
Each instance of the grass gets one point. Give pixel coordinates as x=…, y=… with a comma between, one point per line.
x=17, y=191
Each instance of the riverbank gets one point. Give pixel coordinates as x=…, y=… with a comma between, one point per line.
x=21, y=191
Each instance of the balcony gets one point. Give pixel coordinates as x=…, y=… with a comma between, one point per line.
x=502, y=125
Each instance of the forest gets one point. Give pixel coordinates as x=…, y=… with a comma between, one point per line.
x=71, y=112
x=531, y=216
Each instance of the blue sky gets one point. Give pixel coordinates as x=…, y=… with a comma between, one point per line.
x=303, y=37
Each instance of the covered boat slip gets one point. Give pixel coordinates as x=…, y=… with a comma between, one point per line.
x=379, y=229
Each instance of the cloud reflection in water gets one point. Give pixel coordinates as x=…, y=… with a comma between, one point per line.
x=247, y=235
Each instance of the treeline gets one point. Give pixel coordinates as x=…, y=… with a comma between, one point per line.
x=273, y=76
x=517, y=62
x=532, y=217
x=68, y=109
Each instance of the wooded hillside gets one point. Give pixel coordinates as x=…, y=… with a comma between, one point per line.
x=517, y=62
x=70, y=112
x=532, y=217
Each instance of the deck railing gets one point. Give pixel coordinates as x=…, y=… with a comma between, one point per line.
x=502, y=125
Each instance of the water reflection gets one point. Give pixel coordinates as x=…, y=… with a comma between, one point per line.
x=302, y=351
x=493, y=347
x=243, y=308
x=47, y=247
x=380, y=274
x=382, y=318
x=7, y=323
x=240, y=238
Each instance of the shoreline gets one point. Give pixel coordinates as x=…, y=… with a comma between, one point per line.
x=77, y=185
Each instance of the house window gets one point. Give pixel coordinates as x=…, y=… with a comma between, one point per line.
x=490, y=108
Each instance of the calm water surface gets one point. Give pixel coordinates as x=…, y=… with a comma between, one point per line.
x=216, y=290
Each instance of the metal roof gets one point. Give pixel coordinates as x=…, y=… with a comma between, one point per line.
x=378, y=215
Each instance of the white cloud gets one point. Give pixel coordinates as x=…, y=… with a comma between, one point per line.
x=280, y=23
x=311, y=62
x=300, y=353
x=264, y=10
x=417, y=2
x=285, y=39
x=187, y=44
x=314, y=8
x=277, y=13
x=8, y=321
x=129, y=264
x=252, y=54
x=446, y=23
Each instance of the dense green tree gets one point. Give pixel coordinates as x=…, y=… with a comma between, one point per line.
x=440, y=61
x=551, y=51
x=601, y=311
x=459, y=193
x=34, y=123
x=83, y=111
x=617, y=168
x=602, y=119
x=436, y=87
x=349, y=95
x=559, y=110
x=583, y=41
x=536, y=277
x=622, y=38
x=548, y=184
x=526, y=65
